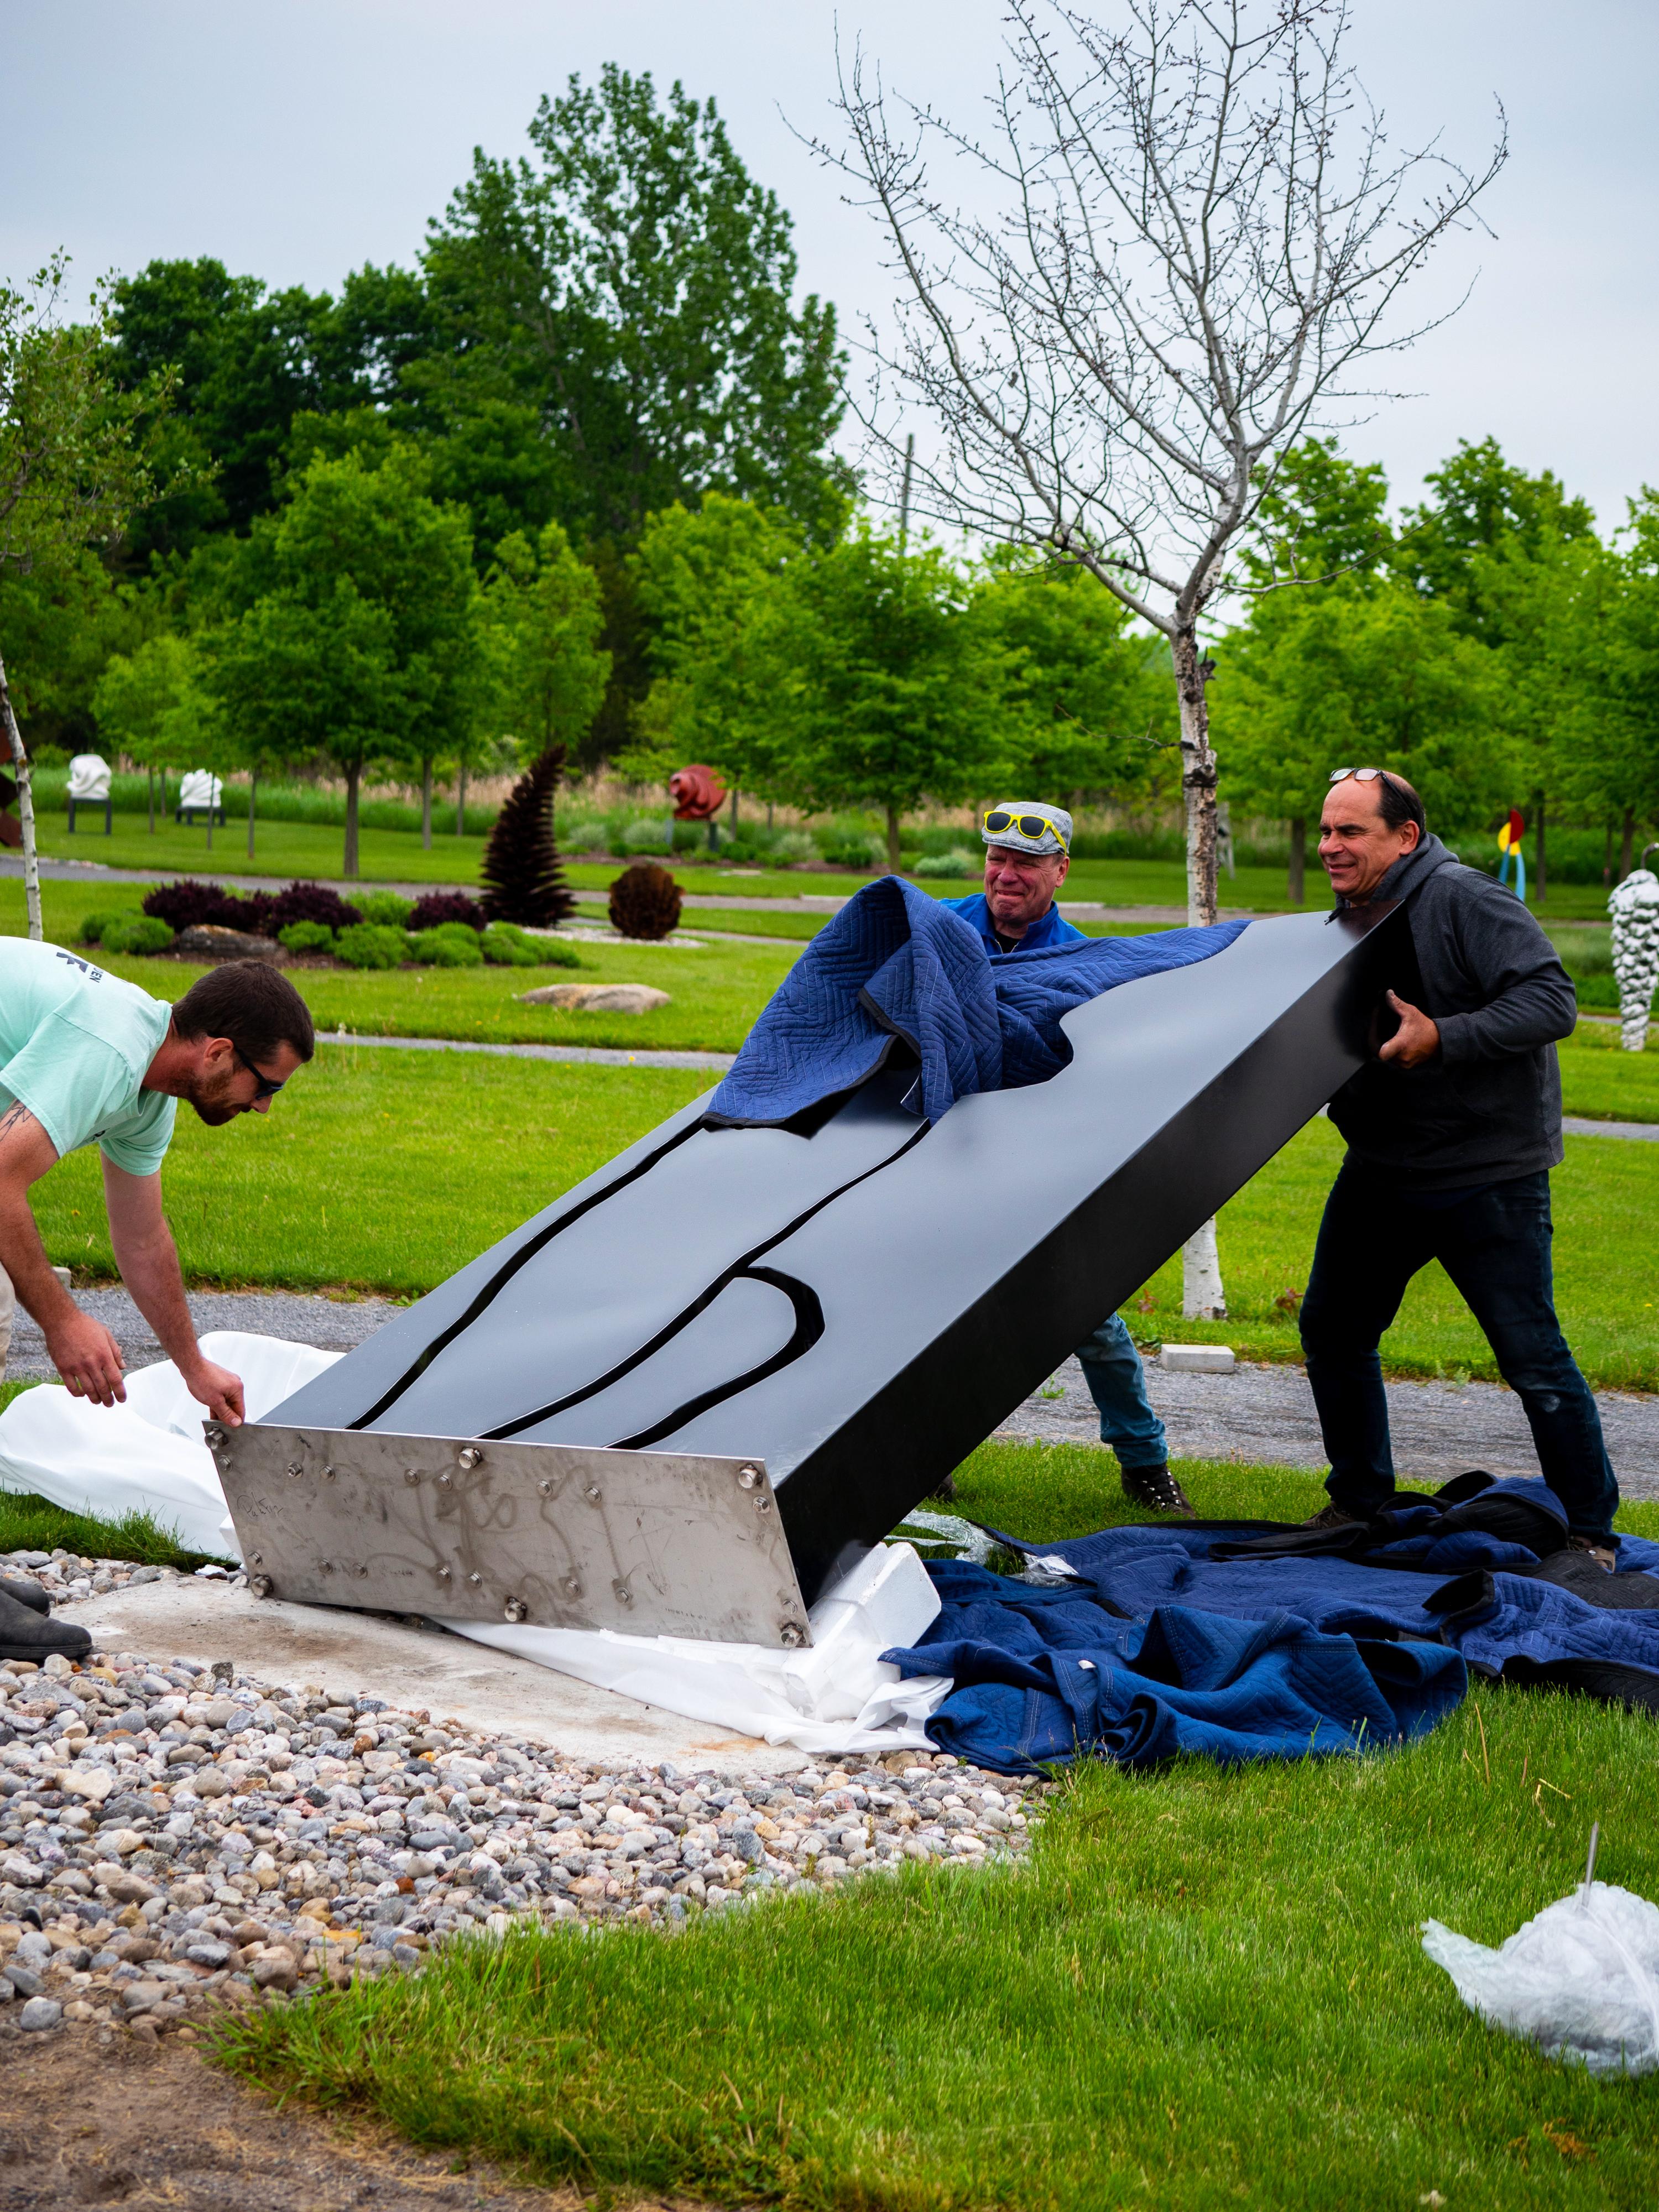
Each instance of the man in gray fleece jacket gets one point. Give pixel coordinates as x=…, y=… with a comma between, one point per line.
x=1452, y=1131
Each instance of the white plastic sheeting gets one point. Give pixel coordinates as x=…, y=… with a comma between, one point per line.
x=1581, y=1979
x=836, y=1695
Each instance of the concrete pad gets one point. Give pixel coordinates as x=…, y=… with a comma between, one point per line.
x=364, y=1654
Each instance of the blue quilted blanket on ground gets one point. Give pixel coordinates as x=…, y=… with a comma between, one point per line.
x=1040, y=1674
x=895, y=964
x=1160, y=1647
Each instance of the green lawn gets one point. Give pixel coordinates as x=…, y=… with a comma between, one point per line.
x=281, y=848
x=378, y=1169
x=1606, y=1199
x=1206, y=1987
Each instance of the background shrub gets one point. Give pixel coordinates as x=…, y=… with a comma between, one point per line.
x=192, y=906
x=645, y=902
x=586, y=837
x=791, y=846
x=136, y=933
x=307, y=937
x=452, y=945
x=438, y=908
x=505, y=946
x=390, y=909
x=371, y=944
x=94, y=925
x=954, y=864
x=859, y=853
x=305, y=902
x=646, y=836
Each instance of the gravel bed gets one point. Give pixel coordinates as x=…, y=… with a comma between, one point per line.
x=176, y=1838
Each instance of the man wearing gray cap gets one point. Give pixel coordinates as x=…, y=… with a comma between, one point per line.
x=1028, y=853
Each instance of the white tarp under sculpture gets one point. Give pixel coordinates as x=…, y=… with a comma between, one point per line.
x=836, y=1695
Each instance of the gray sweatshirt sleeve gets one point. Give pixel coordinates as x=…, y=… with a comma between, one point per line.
x=1530, y=1000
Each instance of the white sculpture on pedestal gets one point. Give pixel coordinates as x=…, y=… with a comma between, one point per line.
x=1635, y=910
x=89, y=778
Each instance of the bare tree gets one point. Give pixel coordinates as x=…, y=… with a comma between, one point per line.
x=1200, y=235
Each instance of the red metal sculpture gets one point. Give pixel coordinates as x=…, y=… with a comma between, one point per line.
x=698, y=792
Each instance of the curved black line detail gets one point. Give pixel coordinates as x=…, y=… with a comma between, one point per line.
x=745, y=1265
x=504, y=1275
x=809, y=1327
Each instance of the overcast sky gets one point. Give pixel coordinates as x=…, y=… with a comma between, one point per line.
x=299, y=138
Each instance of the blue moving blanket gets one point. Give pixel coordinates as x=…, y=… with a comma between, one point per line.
x=1042, y=1675
x=1014, y=1650
x=895, y=964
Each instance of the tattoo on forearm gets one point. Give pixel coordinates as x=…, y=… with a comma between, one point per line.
x=14, y=1114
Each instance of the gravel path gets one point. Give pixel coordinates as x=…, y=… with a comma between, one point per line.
x=1258, y=1414
x=333, y=1325
x=176, y=1838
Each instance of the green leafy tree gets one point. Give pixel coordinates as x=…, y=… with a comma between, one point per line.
x=1326, y=517
x=1481, y=502
x=707, y=581
x=1350, y=676
x=244, y=360
x=360, y=635
x=1089, y=696
x=542, y=603
x=75, y=463
x=155, y=705
x=888, y=692
x=632, y=284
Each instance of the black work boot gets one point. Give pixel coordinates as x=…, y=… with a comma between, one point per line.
x=26, y=1634
x=1331, y=1517
x=1157, y=1489
x=26, y=1591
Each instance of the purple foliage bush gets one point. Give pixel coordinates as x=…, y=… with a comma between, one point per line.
x=440, y=906
x=307, y=902
x=191, y=905
x=260, y=913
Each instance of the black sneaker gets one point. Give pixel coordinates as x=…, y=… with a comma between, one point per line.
x=1157, y=1489
x=26, y=1634
x=1604, y=1550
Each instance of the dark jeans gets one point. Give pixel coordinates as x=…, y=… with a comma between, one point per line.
x=1495, y=1245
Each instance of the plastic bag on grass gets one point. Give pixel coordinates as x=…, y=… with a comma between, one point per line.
x=1581, y=1980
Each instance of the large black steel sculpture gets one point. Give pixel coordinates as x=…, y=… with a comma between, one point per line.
x=700, y=1384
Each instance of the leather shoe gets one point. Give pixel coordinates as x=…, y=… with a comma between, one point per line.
x=1157, y=1489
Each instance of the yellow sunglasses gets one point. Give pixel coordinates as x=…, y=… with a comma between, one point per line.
x=998, y=819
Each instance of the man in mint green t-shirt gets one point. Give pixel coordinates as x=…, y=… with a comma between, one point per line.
x=86, y=1059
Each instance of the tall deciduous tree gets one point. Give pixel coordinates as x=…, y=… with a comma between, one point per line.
x=542, y=605
x=706, y=580
x=888, y=692
x=155, y=705
x=75, y=464
x=359, y=636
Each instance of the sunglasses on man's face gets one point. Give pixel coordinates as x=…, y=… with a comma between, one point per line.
x=267, y=1088
x=999, y=819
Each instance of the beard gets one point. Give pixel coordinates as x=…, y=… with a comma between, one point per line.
x=212, y=1100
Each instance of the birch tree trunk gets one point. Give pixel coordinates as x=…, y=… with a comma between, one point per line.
x=460, y=802
x=253, y=806
x=426, y=804
x=1299, y=860
x=25, y=809
x=1202, y=1297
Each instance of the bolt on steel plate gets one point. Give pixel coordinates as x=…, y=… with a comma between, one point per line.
x=552, y=1535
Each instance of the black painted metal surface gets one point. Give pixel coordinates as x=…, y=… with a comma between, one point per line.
x=860, y=1307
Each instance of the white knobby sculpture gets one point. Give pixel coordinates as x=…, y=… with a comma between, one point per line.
x=200, y=788
x=88, y=777
x=1635, y=910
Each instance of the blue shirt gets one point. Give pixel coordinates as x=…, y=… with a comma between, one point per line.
x=1051, y=929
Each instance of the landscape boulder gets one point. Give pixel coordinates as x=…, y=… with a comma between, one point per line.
x=597, y=998
x=207, y=941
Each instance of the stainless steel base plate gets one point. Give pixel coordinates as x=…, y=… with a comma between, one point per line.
x=558, y=1535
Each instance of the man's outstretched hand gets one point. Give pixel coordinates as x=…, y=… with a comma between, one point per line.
x=1417, y=1038
x=219, y=1390
x=88, y=1358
